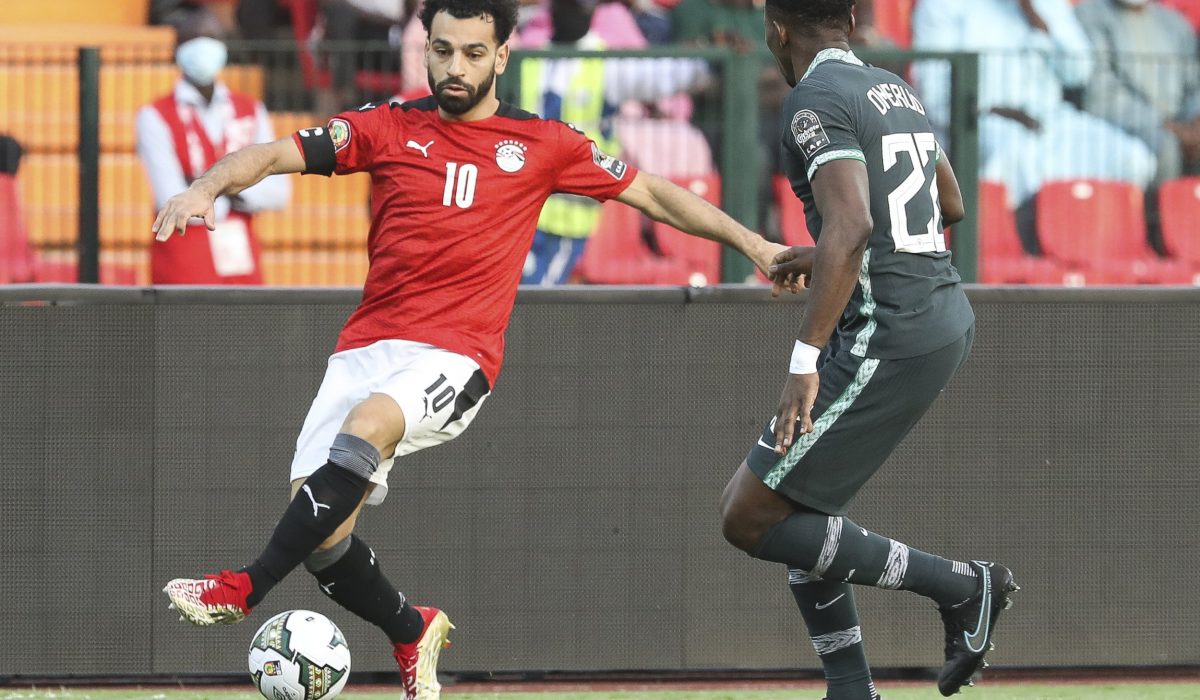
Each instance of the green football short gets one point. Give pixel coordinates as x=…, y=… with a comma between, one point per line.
x=864, y=409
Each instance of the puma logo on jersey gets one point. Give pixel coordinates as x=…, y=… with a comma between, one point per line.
x=423, y=149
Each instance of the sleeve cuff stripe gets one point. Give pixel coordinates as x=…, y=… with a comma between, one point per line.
x=848, y=154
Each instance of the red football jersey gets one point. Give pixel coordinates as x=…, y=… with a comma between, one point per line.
x=454, y=210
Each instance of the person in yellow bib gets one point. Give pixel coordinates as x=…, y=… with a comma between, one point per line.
x=586, y=93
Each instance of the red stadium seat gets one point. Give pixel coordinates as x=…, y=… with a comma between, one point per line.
x=1002, y=258
x=304, y=17
x=702, y=257
x=1099, y=226
x=893, y=19
x=16, y=255
x=1178, y=212
x=616, y=253
x=792, y=224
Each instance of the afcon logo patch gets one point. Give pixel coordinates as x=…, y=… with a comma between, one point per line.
x=510, y=155
x=809, y=133
x=339, y=131
x=608, y=164
x=271, y=668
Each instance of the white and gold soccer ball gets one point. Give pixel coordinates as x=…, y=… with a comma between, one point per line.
x=299, y=655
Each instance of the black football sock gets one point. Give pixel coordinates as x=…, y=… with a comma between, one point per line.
x=349, y=574
x=832, y=620
x=833, y=547
x=327, y=498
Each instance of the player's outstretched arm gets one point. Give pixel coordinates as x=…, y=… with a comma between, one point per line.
x=230, y=175
x=663, y=200
x=842, y=194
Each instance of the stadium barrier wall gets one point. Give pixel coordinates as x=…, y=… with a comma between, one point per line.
x=146, y=434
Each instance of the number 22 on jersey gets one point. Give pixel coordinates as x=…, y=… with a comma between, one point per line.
x=919, y=148
x=460, y=185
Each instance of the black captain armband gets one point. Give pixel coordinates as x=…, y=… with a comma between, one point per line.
x=317, y=145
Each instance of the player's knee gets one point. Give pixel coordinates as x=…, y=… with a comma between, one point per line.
x=738, y=530
x=378, y=421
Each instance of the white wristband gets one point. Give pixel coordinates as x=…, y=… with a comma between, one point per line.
x=804, y=358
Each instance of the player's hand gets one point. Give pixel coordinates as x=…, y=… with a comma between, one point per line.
x=795, y=409
x=191, y=203
x=790, y=269
x=766, y=253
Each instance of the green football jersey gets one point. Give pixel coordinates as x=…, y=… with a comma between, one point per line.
x=909, y=299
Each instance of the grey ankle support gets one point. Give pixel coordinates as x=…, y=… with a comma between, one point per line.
x=354, y=454
x=322, y=559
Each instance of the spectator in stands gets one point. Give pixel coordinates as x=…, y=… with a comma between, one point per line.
x=1188, y=8
x=344, y=21
x=653, y=19
x=180, y=136
x=865, y=32
x=736, y=23
x=611, y=23
x=586, y=93
x=1030, y=52
x=1147, y=77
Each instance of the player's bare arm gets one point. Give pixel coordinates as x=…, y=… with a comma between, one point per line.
x=949, y=196
x=663, y=200
x=228, y=176
x=842, y=194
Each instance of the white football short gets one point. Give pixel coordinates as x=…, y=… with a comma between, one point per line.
x=438, y=391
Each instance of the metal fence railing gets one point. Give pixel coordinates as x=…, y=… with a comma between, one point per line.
x=87, y=205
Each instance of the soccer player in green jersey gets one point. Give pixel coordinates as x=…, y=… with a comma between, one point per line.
x=887, y=306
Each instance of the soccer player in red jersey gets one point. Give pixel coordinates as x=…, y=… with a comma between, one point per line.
x=453, y=174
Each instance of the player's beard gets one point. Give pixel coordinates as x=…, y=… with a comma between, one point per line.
x=454, y=104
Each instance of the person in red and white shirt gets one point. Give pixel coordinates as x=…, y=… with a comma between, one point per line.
x=180, y=136
x=458, y=181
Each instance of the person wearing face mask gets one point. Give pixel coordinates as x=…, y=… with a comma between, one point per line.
x=181, y=135
x=1147, y=78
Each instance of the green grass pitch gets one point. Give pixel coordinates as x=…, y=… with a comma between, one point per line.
x=1130, y=691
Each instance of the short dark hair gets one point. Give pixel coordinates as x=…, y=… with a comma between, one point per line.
x=833, y=13
x=502, y=12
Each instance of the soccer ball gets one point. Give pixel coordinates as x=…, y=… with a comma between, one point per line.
x=299, y=655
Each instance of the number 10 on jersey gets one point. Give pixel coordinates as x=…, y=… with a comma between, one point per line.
x=460, y=185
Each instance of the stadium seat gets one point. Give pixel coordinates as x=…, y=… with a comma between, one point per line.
x=123, y=268
x=665, y=147
x=315, y=268
x=128, y=14
x=51, y=187
x=1099, y=226
x=16, y=255
x=1002, y=258
x=893, y=19
x=616, y=253
x=792, y=224
x=304, y=18
x=45, y=44
x=703, y=257
x=1179, y=212
x=324, y=214
x=39, y=104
